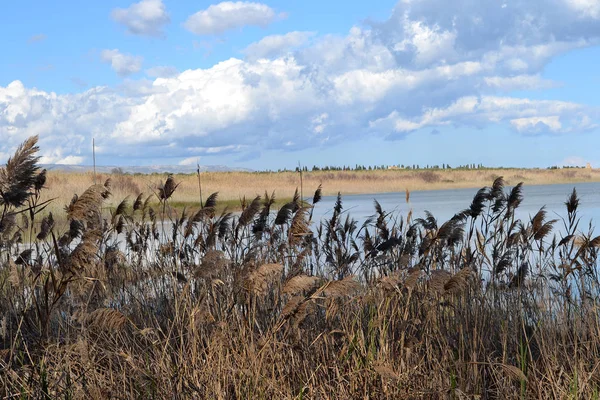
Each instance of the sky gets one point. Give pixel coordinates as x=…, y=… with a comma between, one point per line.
x=268, y=85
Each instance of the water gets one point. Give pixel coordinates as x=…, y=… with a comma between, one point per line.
x=443, y=204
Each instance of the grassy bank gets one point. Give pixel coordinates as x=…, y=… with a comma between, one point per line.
x=262, y=305
x=233, y=186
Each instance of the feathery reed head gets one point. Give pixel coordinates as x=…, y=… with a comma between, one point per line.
x=19, y=175
x=263, y=277
x=300, y=283
x=166, y=190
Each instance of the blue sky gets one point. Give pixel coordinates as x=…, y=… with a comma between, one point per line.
x=270, y=84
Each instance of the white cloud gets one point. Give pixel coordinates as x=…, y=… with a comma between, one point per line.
x=228, y=15
x=70, y=160
x=276, y=45
x=190, y=161
x=565, y=123
x=146, y=18
x=524, y=115
x=319, y=123
x=432, y=64
x=537, y=124
x=122, y=64
x=359, y=49
x=428, y=43
x=56, y=156
x=65, y=123
x=519, y=82
x=586, y=8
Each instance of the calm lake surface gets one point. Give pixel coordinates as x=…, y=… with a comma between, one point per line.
x=443, y=204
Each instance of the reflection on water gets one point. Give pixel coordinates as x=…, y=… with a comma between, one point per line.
x=443, y=204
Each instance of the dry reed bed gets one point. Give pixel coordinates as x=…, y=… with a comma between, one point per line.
x=263, y=306
x=236, y=185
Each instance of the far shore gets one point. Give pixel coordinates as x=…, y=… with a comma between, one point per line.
x=234, y=186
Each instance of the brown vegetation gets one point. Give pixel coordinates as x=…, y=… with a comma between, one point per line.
x=153, y=304
x=233, y=186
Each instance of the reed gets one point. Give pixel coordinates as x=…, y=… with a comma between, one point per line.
x=153, y=301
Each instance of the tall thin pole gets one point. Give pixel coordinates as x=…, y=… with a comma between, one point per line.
x=94, y=157
x=199, y=185
x=301, y=191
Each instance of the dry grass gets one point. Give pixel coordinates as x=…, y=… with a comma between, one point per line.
x=217, y=306
x=236, y=185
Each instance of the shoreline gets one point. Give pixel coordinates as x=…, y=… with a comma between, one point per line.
x=443, y=189
x=234, y=186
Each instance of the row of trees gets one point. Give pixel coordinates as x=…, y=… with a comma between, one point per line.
x=358, y=167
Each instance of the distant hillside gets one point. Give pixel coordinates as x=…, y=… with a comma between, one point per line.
x=150, y=169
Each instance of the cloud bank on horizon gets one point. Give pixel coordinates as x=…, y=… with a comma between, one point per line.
x=431, y=65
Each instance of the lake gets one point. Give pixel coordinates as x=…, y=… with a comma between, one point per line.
x=443, y=204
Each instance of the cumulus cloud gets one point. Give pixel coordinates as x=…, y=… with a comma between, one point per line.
x=428, y=43
x=537, y=124
x=524, y=115
x=276, y=45
x=587, y=8
x=146, y=18
x=65, y=123
x=432, y=64
x=227, y=15
x=122, y=64
x=519, y=82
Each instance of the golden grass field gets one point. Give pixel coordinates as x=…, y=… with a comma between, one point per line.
x=232, y=186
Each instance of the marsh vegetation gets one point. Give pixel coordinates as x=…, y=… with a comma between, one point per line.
x=233, y=186
x=269, y=303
